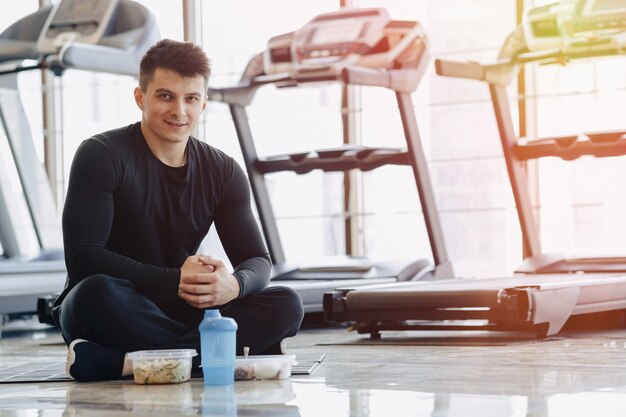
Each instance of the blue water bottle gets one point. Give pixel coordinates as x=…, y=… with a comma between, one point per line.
x=217, y=347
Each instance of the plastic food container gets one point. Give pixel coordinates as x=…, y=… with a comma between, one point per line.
x=162, y=366
x=264, y=367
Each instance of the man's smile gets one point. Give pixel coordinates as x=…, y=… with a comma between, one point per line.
x=176, y=124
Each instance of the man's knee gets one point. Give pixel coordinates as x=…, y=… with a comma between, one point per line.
x=92, y=296
x=89, y=303
x=289, y=310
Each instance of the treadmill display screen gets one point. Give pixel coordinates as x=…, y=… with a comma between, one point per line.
x=604, y=5
x=75, y=7
x=593, y=15
x=81, y=16
x=80, y=11
x=345, y=32
x=75, y=20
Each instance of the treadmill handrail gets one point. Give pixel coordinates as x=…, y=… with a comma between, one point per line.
x=242, y=94
x=503, y=71
x=17, y=50
x=97, y=58
x=500, y=73
x=393, y=79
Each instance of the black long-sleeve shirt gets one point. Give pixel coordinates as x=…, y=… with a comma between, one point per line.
x=130, y=216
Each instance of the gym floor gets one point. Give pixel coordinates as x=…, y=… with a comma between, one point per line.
x=404, y=374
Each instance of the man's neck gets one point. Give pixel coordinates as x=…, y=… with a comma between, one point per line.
x=172, y=154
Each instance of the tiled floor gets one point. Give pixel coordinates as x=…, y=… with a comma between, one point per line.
x=432, y=375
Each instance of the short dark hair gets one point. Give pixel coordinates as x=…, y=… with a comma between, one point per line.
x=184, y=58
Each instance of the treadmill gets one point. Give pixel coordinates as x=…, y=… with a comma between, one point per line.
x=105, y=35
x=547, y=289
x=360, y=47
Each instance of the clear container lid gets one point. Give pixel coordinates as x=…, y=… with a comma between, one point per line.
x=264, y=367
x=259, y=359
x=162, y=354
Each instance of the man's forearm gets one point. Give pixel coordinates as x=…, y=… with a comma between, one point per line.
x=253, y=274
x=88, y=260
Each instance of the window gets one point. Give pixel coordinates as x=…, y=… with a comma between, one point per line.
x=582, y=201
x=308, y=207
x=460, y=137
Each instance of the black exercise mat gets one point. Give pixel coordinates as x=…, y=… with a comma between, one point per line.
x=34, y=371
x=54, y=370
x=306, y=364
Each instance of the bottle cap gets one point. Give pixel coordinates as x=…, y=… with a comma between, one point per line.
x=212, y=313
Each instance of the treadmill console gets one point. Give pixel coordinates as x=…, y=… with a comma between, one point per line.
x=543, y=25
x=350, y=37
x=574, y=25
x=342, y=36
x=75, y=20
x=599, y=15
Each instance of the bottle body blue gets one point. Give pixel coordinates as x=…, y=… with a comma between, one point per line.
x=218, y=336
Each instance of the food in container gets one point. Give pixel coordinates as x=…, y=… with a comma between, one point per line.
x=162, y=366
x=264, y=367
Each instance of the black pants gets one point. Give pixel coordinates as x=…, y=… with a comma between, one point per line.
x=109, y=311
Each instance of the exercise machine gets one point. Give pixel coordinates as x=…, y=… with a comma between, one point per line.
x=360, y=47
x=547, y=289
x=106, y=36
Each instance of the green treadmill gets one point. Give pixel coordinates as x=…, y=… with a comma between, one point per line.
x=547, y=289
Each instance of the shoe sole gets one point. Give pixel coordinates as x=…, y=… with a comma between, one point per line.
x=71, y=356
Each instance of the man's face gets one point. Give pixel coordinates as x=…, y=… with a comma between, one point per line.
x=171, y=106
